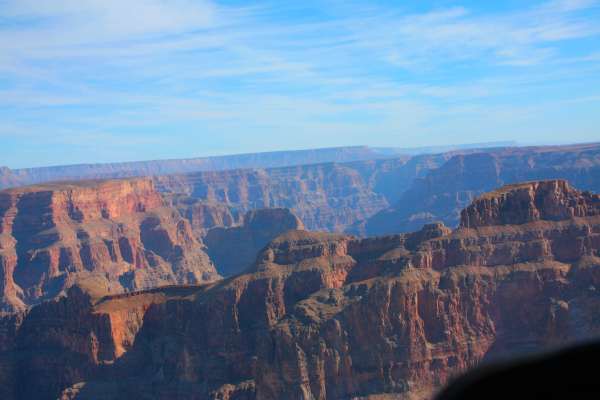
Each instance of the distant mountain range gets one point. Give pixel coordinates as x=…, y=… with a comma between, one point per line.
x=27, y=176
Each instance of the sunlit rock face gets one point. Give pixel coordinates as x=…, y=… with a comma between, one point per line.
x=331, y=316
x=118, y=235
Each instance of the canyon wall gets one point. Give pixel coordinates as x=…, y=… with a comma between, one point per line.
x=376, y=197
x=372, y=196
x=272, y=159
x=117, y=234
x=447, y=189
x=234, y=249
x=331, y=316
x=328, y=197
x=28, y=176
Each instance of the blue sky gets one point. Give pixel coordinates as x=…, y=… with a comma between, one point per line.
x=113, y=80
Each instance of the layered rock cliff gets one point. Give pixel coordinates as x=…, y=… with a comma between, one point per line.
x=377, y=197
x=529, y=202
x=273, y=159
x=118, y=234
x=331, y=316
x=373, y=196
x=328, y=197
x=447, y=189
x=28, y=176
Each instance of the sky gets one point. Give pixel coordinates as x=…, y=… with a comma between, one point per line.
x=111, y=80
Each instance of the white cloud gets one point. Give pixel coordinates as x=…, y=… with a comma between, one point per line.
x=99, y=20
x=158, y=63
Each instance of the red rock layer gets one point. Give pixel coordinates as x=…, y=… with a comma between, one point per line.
x=536, y=201
x=323, y=316
x=117, y=232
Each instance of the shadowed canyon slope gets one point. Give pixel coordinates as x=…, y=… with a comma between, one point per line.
x=445, y=191
x=234, y=249
x=324, y=196
x=331, y=316
x=117, y=235
x=373, y=196
x=356, y=197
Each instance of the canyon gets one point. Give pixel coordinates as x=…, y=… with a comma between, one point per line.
x=329, y=315
x=444, y=191
x=359, y=190
x=28, y=176
x=331, y=197
x=234, y=249
x=112, y=236
x=376, y=197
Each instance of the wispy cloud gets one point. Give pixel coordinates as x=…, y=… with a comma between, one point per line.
x=179, y=71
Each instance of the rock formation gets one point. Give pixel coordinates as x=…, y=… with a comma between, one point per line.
x=205, y=215
x=116, y=234
x=354, y=190
x=29, y=176
x=529, y=202
x=234, y=249
x=447, y=189
x=324, y=196
x=331, y=316
x=273, y=159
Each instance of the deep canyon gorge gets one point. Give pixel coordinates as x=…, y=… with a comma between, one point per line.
x=320, y=281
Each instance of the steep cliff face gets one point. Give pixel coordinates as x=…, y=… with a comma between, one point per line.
x=205, y=215
x=373, y=196
x=28, y=176
x=331, y=316
x=528, y=202
x=328, y=197
x=118, y=232
x=234, y=249
x=445, y=191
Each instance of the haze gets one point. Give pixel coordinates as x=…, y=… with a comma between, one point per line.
x=105, y=81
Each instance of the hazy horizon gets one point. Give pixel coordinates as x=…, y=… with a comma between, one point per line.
x=394, y=151
x=107, y=81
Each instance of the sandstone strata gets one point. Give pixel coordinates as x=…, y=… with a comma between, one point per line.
x=444, y=191
x=324, y=196
x=530, y=202
x=117, y=234
x=353, y=190
x=330, y=316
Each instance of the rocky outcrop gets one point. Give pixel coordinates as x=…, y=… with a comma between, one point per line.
x=117, y=234
x=528, y=202
x=205, y=215
x=376, y=197
x=234, y=249
x=327, y=316
x=447, y=189
x=328, y=197
x=353, y=190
